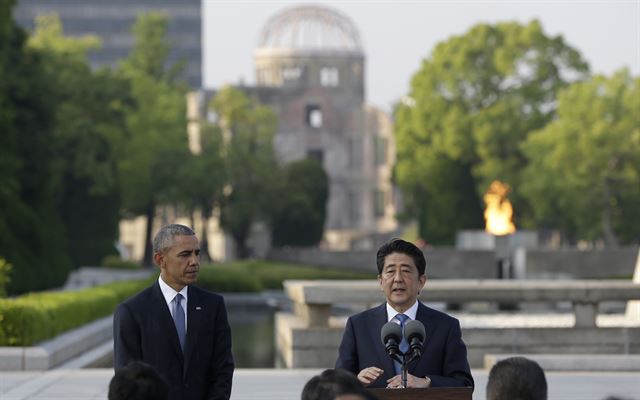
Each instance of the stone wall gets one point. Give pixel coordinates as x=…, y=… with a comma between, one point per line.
x=578, y=264
x=441, y=263
x=301, y=346
x=450, y=263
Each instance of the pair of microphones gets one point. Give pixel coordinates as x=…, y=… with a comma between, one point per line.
x=391, y=336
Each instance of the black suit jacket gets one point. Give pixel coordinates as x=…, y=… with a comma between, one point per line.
x=444, y=354
x=144, y=330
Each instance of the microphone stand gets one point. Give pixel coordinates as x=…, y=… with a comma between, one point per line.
x=414, y=356
x=404, y=372
x=403, y=362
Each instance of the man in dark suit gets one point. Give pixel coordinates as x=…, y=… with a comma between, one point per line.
x=179, y=329
x=401, y=274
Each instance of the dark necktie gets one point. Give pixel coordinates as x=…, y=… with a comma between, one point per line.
x=404, y=345
x=178, y=319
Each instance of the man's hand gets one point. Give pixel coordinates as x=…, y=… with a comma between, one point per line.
x=412, y=382
x=368, y=375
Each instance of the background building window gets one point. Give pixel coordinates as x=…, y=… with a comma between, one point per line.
x=381, y=150
x=354, y=208
x=313, y=116
x=317, y=155
x=378, y=203
x=355, y=153
x=291, y=73
x=329, y=77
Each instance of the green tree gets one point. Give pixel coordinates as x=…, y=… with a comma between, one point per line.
x=31, y=234
x=584, y=171
x=88, y=128
x=470, y=106
x=157, y=146
x=299, y=217
x=252, y=171
x=203, y=180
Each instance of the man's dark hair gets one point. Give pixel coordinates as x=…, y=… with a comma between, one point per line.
x=516, y=378
x=138, y=381
x=401, y=246
x=331, y=383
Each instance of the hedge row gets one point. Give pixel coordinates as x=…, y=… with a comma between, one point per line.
x=35, y=317
x=255, y=276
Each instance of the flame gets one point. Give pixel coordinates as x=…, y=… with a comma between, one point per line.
x=499, y=212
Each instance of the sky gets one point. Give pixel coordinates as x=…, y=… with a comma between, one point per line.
x=398, y=35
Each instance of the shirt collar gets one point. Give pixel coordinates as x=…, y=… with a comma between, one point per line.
x=169, y=293
x=411, y=312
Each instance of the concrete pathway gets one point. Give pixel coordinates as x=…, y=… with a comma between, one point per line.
x=283, y=384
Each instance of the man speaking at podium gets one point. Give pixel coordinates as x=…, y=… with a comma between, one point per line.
x=443, y=361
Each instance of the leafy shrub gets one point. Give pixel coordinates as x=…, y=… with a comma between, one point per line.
x=5, y=272
x=271, y=274
x=34, y=317
x=239, y=276
x=228, y=278
x=22, y=324
x=114, y=261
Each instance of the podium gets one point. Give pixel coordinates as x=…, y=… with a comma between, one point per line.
x=436, y=393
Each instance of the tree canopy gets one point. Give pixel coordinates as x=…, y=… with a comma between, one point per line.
x=202, y=180
x=158, y=146
x=584, y=171
x=32, y=237
x=470, y=106
x=252, y=172
x=298, y=218
x=88, y=128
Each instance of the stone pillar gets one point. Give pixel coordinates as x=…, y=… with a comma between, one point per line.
x=633, y=306
x=315, y=315
x=586, y=314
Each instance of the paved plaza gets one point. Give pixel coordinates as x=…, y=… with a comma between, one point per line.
x=283, y=384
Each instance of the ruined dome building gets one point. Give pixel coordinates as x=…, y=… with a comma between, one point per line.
x=310, y=68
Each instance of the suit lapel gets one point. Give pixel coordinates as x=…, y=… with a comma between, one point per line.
x=375, y=325
x=164, y=314
x=194, y=322
x=422, y=316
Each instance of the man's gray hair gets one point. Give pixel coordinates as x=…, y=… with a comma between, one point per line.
x=164, y=238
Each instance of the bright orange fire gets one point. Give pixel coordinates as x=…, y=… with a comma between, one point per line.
x=499, y=212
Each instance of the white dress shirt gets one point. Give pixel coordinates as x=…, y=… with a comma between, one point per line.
x=392, y=312
x=169, y=294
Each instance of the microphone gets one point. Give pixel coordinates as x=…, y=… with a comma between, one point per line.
x=391, y=336
x=414, y=333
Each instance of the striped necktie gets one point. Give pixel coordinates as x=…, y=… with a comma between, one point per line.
x=404, y=345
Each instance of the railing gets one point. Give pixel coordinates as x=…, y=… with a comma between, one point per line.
x=313, y=299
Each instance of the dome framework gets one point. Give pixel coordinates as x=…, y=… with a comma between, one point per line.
x=310, y=27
